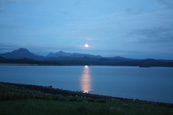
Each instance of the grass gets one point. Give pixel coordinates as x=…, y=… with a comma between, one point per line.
x=21, y=101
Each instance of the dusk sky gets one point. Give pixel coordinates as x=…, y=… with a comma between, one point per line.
x=127, y=28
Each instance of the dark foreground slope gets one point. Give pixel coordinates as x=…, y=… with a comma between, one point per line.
x=20, y=99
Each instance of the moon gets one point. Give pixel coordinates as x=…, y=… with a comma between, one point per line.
x=86, y=45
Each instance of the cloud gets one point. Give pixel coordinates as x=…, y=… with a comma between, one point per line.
x=11, y=1
x=2, y=10
x=10, y=26
x=4, y=2
x=133, y=11
x=167, y=3
x=155, y=34
x=88, y=38
x=76, y=3
x=8, y=1
x=6, y=48
x=64, y=12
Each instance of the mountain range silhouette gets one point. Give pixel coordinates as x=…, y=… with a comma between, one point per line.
x=24, y=56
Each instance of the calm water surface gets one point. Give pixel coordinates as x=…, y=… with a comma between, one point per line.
x=152, y=84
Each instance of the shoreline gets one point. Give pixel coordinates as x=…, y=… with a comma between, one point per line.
x=68, y=93
x=12, y=64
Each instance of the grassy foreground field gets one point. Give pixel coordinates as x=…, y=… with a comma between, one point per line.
x=16, y=100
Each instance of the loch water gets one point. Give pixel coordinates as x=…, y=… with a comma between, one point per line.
x=152, y=84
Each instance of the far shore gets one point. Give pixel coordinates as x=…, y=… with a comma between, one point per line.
x=18, y=64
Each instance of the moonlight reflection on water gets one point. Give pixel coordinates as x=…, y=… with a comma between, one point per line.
x=86, y=80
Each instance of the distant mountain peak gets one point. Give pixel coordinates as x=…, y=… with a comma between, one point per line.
x=72, y=55
x=61, y=52
x=22, y=50
x=20, y=54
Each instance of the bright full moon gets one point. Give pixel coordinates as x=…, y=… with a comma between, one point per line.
x=86, y=45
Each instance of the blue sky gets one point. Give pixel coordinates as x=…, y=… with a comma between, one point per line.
x=128, y=28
